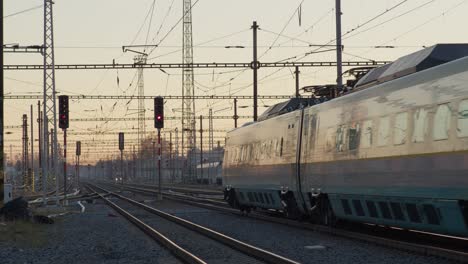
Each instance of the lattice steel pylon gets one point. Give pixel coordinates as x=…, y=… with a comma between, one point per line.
x=50, y=117
x=188, y=91
x=141, y=59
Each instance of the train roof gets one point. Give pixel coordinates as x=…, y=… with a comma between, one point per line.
x=414, y=62
x=285, y=107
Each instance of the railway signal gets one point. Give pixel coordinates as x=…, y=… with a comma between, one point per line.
x=63, y=111
x=63, y=124
x=159, y=112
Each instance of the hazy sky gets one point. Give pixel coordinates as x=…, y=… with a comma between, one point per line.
x=94, y=31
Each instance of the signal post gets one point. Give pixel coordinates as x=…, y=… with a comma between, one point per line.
x=63, y=124
x=158, y=124
x=121, y=148
x=77, y=166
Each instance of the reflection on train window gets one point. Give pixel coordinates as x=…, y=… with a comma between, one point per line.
x=400, y=128
x=366, y=134
x=313, y=126
x=340, y=138
x=353, y=136
x=442, y=122
x=462, y=127
x=384, y=131
x=329, y=142
x=421, y=125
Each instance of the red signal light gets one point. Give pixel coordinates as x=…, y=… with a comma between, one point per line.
x=158, y=117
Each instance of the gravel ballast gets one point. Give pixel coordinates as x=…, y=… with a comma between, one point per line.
x=203, y=247
x=300, y=245
x=99, y=235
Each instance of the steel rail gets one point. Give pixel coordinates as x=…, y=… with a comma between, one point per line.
x=245, y=248
x=182, y=189
x=178, y=251
x=177, y=195
x=426, y=250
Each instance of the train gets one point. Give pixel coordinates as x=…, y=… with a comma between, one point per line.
x=390, y=150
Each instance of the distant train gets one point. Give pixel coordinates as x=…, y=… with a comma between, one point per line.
x=394, y=151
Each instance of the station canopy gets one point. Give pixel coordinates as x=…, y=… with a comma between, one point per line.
x=414, y=62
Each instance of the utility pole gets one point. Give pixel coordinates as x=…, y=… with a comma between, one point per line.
x=210, y=141
x=25, y=159
x=33, y=180
x=176, y=139
x=52, y=150
x=2, y=154
x=255, y=66
x=235, y=113
x=42, y=178
x=339, y=70
x=171, y=160
x=201, y=149
x=297, y=81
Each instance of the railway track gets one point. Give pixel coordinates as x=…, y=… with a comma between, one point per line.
x=137, y=213
x=451, y=248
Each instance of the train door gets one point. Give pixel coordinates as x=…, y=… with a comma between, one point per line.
x=309, y=132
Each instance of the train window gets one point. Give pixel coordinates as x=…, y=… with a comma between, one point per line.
x=358, y=207
x=442, y=122
x=271, y=198
x=384, y=131
x=421, y=125
x=256, y=197
x=346, y=207
x=413, y=213
x=385, y=210
x=397, y=212
x=462, y=127
x=251, y=199
x=366, y=134
x=372, y=209
x=431, y=214
x=340, y=138
x=399, y=129
x=353, y=137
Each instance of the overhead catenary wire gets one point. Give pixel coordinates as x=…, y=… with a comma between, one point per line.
x=23, y=11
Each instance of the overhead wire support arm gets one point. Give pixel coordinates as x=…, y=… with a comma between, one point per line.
x=148, y=97
x=195, y=65
x=23, y=49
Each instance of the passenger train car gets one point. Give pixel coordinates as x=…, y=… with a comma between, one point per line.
x=392, y=152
